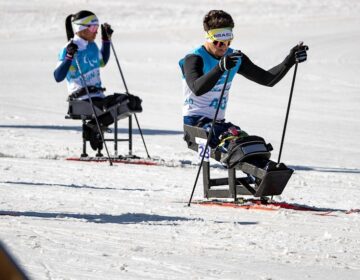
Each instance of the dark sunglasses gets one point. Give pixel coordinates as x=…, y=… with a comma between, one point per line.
x=92, y=27
x=220, y=44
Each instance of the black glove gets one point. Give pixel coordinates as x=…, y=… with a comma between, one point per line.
x=229, y=61
x=106, y=32
x=71, y=50
x=134, y=102
x=298, y=53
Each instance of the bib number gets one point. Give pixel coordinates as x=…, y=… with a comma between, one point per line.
x=201, y=149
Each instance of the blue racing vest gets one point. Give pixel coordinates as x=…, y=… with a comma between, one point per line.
x=206, y=104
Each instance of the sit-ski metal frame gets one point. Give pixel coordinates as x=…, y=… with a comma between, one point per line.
x=258, y=182
x=81, y=110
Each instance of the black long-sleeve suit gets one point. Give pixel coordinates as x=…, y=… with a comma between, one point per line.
x=200, y=83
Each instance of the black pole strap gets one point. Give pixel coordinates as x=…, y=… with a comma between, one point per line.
x=93, y=109
x=287, y=111
x=209, y=136
x=127, y=92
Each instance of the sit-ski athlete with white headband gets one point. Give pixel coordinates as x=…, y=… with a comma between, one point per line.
x=204, y=71
x=81, y=30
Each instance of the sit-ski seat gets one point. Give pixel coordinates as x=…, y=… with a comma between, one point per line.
x=251, y=156
x=82, y=110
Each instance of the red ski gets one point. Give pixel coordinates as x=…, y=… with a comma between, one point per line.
x=256, y=204
x=126, y=160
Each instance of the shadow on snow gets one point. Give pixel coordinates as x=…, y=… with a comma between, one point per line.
x=56, y=185
x=145, y=131
x=128, y=218
x=78, y=186
x=326, y=169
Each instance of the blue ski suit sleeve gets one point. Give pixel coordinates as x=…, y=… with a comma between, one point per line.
x=61, y=71
x=105, y=51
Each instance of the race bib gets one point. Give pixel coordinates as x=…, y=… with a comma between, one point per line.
x=201, y=149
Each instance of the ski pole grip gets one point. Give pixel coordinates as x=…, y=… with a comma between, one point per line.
x=301, y=43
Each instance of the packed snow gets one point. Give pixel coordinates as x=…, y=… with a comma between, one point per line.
x=75, y=220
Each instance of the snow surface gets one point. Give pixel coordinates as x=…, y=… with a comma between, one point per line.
x=72, y=220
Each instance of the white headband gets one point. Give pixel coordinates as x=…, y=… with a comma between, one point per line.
x=83, y=23
x=220, y=34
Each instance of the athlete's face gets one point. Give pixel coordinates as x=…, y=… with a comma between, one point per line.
x=216, y=48
x=89, y=34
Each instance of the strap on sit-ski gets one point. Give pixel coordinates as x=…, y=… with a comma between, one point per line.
x=82, y=91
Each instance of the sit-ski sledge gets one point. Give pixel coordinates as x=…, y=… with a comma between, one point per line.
x=263, y=177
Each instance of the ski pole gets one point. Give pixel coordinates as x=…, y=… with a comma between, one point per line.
x=287, y=111
x=92, y=108
x=290, y=97
x=127, y=92
x=209, y=136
